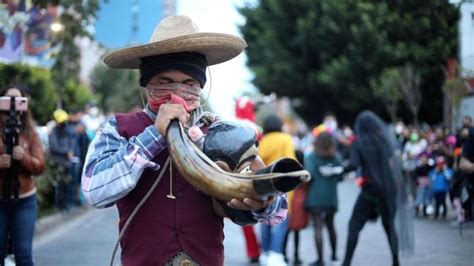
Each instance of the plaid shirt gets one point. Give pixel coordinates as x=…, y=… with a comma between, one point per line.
x=114, y=165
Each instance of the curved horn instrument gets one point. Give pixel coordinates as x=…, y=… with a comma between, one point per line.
x=201, y=172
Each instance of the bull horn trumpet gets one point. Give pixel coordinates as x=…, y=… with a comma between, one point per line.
x=201, y=172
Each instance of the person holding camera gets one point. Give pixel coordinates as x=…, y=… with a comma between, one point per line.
x=21, y=157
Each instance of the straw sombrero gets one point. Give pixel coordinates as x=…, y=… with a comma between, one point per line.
x=179, y=34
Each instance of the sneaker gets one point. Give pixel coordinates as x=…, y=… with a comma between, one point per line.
x=254, y=261
x=10, y=260
x=275, y=259
x=297, y=262
x=335, y=261
x=455, y=224
x=317, y=263
x=263, y=258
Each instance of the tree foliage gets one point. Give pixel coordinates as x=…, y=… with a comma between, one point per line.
x=76, y=18
x=386, y=87
x=326, y=53
x=410, y=89
x=43, y=90
x=116, y=89
x=76, y=95
x=40, y=84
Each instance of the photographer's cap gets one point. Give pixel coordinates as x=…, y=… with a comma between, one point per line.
x=60, y=116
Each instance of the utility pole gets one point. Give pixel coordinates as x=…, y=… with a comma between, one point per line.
x=134, y=35
x=169, y=8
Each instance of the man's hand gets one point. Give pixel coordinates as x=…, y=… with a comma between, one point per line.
x=167, y=113
x=18, y=153
x=249, y=204
x=5, y=161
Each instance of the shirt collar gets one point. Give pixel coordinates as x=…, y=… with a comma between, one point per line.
x=150, y=112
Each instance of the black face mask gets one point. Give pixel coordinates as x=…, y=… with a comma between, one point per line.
x=229, y=142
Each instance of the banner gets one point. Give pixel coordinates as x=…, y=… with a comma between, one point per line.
x=25, y=32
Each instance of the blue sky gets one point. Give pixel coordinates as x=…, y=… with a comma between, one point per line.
x=229, y=79
x=113, y=27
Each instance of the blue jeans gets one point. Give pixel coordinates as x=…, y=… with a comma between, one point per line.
x=273, y=237
x=423, y=195
x=17, y=219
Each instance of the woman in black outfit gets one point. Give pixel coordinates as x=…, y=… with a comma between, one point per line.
x=373, y=153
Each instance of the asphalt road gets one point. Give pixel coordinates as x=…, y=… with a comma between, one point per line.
x=88, y=239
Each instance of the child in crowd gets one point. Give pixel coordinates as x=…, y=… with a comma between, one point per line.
x=440, y=178
x=423, y=193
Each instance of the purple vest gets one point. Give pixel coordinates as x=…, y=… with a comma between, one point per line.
x=163, y=227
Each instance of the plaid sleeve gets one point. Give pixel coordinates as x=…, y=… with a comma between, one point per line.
x=275, y=213
x=114, y=164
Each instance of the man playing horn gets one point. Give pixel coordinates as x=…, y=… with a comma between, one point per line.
x=177, y=223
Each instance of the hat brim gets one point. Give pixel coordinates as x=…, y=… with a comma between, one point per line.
x=217, y=48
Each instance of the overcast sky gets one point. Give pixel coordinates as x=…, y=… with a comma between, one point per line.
x=229, y=79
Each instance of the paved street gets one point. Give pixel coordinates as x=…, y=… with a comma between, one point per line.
x=86, y=240
x=435, y=242
x=89, y=238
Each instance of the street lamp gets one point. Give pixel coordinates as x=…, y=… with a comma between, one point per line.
x=57, y=27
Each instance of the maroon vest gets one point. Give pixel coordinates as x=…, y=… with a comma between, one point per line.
x=163, y=227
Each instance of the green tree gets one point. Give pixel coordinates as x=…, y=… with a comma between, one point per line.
x=387, y=88
x=327, y=52
x=40, y=84
x=455, y=89
x=117, y=89
x=409, y=81
x=76, y=95
x=76, y=18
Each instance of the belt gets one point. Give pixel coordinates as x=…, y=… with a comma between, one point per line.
x=181, y=259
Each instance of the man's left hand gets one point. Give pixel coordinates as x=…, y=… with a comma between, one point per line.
x=249, y=204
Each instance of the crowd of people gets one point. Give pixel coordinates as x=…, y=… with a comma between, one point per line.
x=67, y=140
x=431, y=161
x=428, y=165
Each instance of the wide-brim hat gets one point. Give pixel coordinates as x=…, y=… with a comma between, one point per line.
x=177, y=34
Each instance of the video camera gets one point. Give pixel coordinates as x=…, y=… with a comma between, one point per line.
x=11, y=106
x=8, y=103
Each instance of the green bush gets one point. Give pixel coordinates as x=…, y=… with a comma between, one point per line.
x=43, y=91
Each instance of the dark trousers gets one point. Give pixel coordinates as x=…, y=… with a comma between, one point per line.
x=440, y=200
x=297, y=245
x=367, y=208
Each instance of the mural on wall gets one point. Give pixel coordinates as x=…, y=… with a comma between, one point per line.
x=24, y=31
